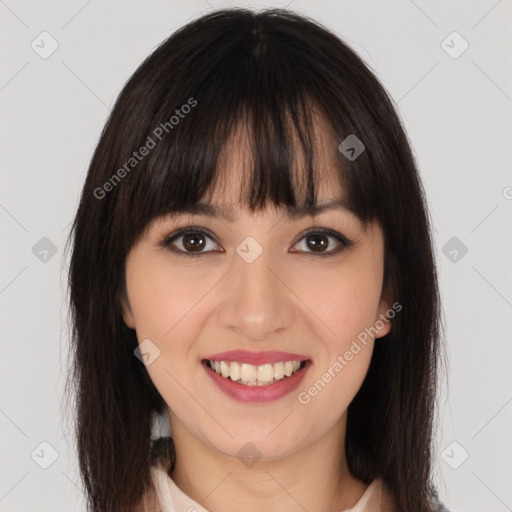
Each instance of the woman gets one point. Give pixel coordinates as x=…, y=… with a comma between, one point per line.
x=252, y=261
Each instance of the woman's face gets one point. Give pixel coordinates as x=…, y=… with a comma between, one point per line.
x=257, y=291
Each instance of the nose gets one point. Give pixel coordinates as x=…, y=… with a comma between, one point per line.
x=257, y=302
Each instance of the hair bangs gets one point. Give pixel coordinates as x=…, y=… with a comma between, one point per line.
x=279, y=155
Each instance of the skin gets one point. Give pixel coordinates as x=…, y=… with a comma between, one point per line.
x=192, y=307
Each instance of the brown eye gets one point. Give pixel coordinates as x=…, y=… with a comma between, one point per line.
x=317, y=243
x=193, y=242
x=320, y=242
x=190, y=242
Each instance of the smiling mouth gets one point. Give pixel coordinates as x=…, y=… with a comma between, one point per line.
x=255, y=375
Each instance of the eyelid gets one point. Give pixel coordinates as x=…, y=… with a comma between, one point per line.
x=343, y=241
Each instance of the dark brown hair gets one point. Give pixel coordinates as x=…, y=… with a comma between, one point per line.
x=266, y=71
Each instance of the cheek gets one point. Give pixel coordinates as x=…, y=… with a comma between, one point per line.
x=346, y=301
x=162, y=304
x=336, y=378
x=167, y=309
x=160, y=299
x=331, y=393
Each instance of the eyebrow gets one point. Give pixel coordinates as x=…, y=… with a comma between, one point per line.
x=297, y=212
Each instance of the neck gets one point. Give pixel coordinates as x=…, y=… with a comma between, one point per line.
x=313, y=478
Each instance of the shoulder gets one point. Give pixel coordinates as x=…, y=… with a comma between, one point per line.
x=388, y=504
x=437, y=506
x=386, y=498
x=149, y=502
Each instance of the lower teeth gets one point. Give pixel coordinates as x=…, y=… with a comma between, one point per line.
x=257, y=383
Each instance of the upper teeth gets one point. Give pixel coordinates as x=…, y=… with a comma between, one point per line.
x=252, y=375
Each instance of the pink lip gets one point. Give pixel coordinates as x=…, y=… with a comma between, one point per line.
x=256, y=358
x=249, y=394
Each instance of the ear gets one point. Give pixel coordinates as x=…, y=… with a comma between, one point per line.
x=127, y=312
x=382, y=320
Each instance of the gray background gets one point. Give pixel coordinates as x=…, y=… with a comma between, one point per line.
x=457, y=112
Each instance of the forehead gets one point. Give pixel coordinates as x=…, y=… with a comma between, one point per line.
x=238, y=156
x=231, y=213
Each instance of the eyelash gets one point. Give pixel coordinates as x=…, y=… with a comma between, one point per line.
x=344, y=243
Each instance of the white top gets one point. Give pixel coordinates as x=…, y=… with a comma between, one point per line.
x=171, y=498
